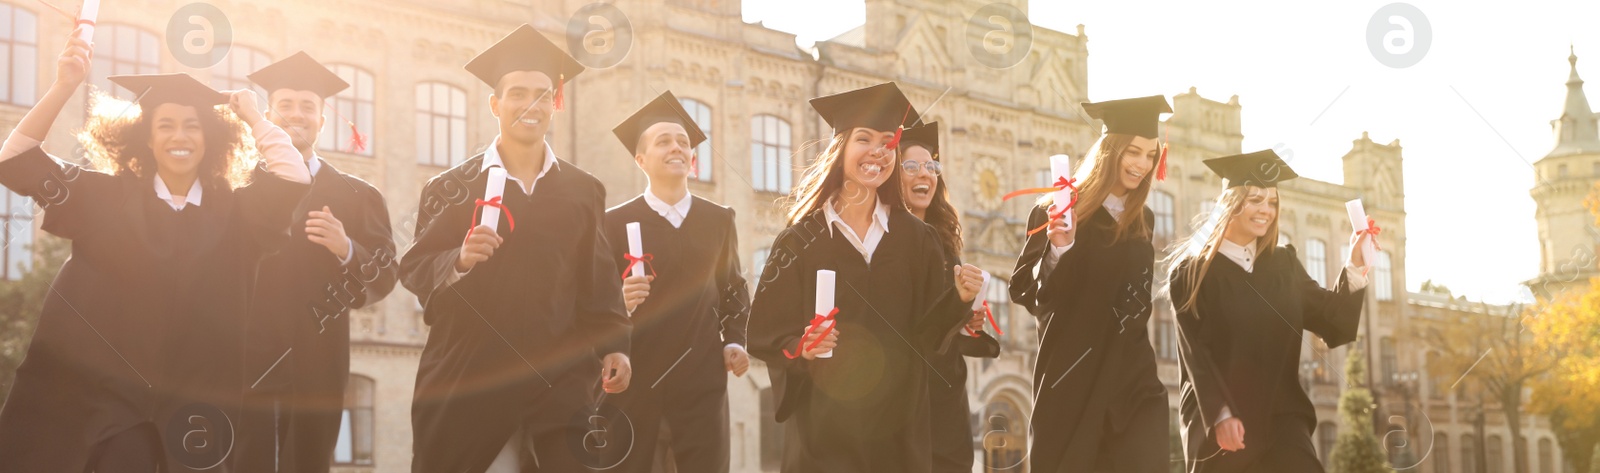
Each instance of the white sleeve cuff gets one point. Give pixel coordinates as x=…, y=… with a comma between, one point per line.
x=349, y=252
x=1224, y=415
x=741, y=347
x=1355, y=277
x=1054, y=255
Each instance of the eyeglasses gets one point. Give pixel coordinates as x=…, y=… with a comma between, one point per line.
x=914, y=167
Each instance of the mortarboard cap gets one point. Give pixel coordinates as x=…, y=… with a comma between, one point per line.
x=881, y=107
x=299, y=72
x=525, y=50
x=1261, y=169
x=1138, y=117
x=181, y=89
x=665, y=108
x=926, y=134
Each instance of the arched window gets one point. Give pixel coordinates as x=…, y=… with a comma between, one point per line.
x=1441, y=449
x=234, y=70
x=1469, y=453
x=123, y=49
x=701, y=114
x=1161, y=206
x=1547, y=456
x=1382, y=280
x=771, y=168
x=354, y=444
x=1004, y=437
x=441, y=124
x=1386, y=360
x=1317, y=261
x=355, y=105
x=1494, y=455
x=1327, y=432
x=19, y=55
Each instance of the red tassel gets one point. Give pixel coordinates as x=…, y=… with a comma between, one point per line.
x=1161, y=168
x=560, y=98
x=357, y=141
x=894, y=143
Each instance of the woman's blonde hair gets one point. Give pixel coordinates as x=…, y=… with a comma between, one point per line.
x=116, y=140
x=1097, y=177
x=1192, y=258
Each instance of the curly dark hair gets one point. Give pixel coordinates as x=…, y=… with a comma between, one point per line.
x=117, y=141
x=941, y=214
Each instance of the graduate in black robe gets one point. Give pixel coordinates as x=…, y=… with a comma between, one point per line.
x=134, y=366
x=527, y=322
x=865, y=409
x=1098, y=403
x=1242, y=305
x=926, y=197
x=341, y=258
x=690, y=307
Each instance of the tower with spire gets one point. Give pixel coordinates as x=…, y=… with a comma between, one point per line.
x=1569, y=240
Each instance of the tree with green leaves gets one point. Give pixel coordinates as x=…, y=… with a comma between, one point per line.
x=20, y=303
x=1356, y=449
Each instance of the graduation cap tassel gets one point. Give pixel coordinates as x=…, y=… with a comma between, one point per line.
x=894, y=143
x=560, y=99
x=358, y=142
x=1161, y=168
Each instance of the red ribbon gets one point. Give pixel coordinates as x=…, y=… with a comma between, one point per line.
x=816, y=321
x=1061, y=183
x=990, y=315
x=1161, y=168
x=495, y=202
x=559, y=101
x=645, y=260
x=1372, y=229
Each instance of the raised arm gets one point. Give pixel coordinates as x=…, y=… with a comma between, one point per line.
x=1334, y=315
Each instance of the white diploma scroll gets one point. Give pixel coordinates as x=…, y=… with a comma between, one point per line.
x=495, y=188
x=977, y=301
x=88, y=15
x=636, y=248
x=1061, y=168
x=825, y=286
x=1358, y=220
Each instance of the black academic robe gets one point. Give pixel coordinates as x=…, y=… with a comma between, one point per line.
x=865, y=409
x=950, y=411
x=142, y=326
x=1098, y=403
x=699, y=303
x=517, y=341
x=297, y=358
x=1240, y=347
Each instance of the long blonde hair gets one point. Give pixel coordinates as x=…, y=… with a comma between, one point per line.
x=1098, y=177
x=824, y=178
x=1193, y=256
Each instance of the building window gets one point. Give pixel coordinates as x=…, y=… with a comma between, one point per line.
x=19, y=55
x=234, y=70
x=1161, y=206
x=1469, y=453
x=771, y=168
x=999, y=300
x=1317, y=261
x=1326, y=434
x=1386, y=360
x=123, y=49
x=771, y=432
x=701, y=114
x=355, y=105
x=354, y=444
x=441, y=124
x=17, y=221
x=1319, y=356
x=1441, y=444
x=1381, y=281
x=1436, y=386
x=1493, y=455
x=1547, y=458
x=1561, y=171
x=1166, y=343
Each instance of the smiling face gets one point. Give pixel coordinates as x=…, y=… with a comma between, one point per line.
x=177, y=139
x=1256, y=215
x=299, y=113
x=918, y=189
x=664, y=151
x=866, y=162
x=1137, y=159
x=523, y=102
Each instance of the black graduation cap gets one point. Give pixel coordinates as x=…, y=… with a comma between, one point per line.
x=1138, y=117
x=181, y=89
x=881, y=107
x=1261, y=169
x=665, y=108
x=926, y=134
x=524, y=50
x=299, y=72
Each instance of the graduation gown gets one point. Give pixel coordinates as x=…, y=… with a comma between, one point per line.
x=517, y=341
x=1096, y=391
x=865, y=409
x=699, y=303
x=1240, y=347
x=950, y=411
x=143, y=324
x=298, y=342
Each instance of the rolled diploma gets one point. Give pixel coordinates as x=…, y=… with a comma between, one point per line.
x=1358, y=220
x=977, y=302
x=825, y=286
x=495, y=188
x=636, y=248
x=1061, y=168
x=90, y=12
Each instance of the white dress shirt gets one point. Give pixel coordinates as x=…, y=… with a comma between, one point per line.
x=875, y=232
x=674, y=213
x=193, y=197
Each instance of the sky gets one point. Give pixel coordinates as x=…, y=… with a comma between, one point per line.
x=1471, y=116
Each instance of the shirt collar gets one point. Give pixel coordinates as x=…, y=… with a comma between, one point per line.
x=491, y=158
x=166, y=195
x=314, y=165
x=661, y=206
x=1245, y=256
x=1115, y=205
x=880, y=216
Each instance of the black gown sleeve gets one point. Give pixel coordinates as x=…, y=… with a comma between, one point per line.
x=1333, y=315
x=981, y=346
x=1025, y=283
x=1193, y=354
x=733, y=303
x=946, y=315
x=779, y=313
x=66, y=192
x=267, y=207
x=601, y=314
x=371, y=273
x=431, y=261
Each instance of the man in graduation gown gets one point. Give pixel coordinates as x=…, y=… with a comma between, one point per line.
x=341, y=258
x=527, y=321
x=689, y=309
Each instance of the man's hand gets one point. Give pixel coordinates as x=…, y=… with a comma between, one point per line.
x=827, y=344
x=323, y=229
x=735, y=360
x=480, y=245
x=615, y=373
x=1230, y=434
x=246, y=104
x=975, y=324
x=635, y=289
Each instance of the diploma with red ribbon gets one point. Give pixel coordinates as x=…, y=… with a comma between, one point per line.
x=638, y=260
x=823, y=321
x=86, y=19
x=1364, y=224
x=490, y=206
x=979, y=303
x=1066, y=190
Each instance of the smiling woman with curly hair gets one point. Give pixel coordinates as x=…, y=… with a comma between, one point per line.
x=141, y=329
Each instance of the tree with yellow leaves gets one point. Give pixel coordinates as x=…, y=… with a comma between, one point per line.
x=1569, y=329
